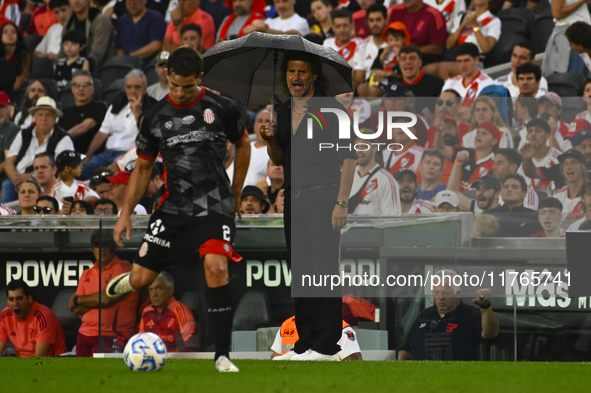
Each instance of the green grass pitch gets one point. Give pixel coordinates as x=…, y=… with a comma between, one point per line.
x=44, y=375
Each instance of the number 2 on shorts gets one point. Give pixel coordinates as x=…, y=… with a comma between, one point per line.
x=226, y=230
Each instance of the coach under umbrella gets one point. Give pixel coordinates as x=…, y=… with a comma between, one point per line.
x=247, y=68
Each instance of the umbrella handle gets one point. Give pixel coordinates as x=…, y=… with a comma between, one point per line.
x=275, y=56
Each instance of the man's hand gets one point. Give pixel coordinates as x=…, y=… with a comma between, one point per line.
x=263, y=185
x=470, y=19
x=20, y=178
x=553, y=123
x=482, y=296
x=268, y=131
x=438, y=123
x=135, y=104
x=71, y=304
x=66, y=206
x=528, y=151
x=175, y=14
x=123, y=225
x=463, y=156
x=339, y=217
x=259, y=25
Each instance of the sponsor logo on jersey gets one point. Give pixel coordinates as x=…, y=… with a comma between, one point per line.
x=208, y=116
x=157, y=241
x=193, y=136
x=188, y=119
x=168, y=125
x=143, y=250
x=157, y=227
x=422, y=325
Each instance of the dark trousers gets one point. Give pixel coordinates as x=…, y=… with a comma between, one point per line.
x=313, y=248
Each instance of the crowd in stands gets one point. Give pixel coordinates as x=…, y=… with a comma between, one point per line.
x=78, y=77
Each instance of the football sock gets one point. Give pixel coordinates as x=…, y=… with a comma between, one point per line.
x=119, y=286
x=220, y=318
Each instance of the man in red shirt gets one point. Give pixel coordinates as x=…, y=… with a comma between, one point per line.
x=169, y=318
x=117, y=320
x=188, y=12
x=245, y=12
x=32, y=328
x=426, y=26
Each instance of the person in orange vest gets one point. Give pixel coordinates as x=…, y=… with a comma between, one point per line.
x=287, y=336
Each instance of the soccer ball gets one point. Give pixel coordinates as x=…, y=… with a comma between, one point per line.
x=145, y=352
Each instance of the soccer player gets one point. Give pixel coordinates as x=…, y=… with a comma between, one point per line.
x=197, y=211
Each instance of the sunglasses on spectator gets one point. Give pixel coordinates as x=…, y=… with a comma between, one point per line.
x=103, y=211
x=448, y=103
x=81, y=84
x=101, y=177
x=45, y=210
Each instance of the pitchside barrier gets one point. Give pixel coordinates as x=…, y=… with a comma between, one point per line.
x=529, y=277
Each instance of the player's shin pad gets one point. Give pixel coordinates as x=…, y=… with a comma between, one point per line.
x=119, y=286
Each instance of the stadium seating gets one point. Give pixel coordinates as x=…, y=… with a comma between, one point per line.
x=543, y=27
x=41, y=68
x=517, y=20
x=502, y=51
x=117, y=67
x=569, y=84
x=70, y=322
x=51, y=85
x=151, y=75
x=32, y=41
x=252, y=311
x=114, y=88
x=196, y=302
x=25, y=20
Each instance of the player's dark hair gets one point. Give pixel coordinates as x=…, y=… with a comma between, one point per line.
x=579, y=33
x=529, y=46
x=434, y=153
x=411, y=49
x=519, y=178
x=103, y=239
x=107, y=201
x=45, y=154
x=193, y=27
x=529, y=68
x=185, y=62
x=18, y=284
x=342, y=13
x=467, y=48
x=512, y=156
x=75, y=36
x=377, y=8
x=550, y=202
x=51, y=199
x=530, y=103
x=321, y=84
x=53, y=4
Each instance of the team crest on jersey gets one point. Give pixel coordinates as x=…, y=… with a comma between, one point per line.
x=188, y=120
x=483, y=171
x=372, y=185
x=446, y=15
x=143, y=250
x=346, y=53
x=208, y=116
x=168, y=125
x=226, y=248
x=130, y=166
x=350, y=336
x=403, y=162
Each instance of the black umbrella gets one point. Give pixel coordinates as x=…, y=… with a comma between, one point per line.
x=246, y=68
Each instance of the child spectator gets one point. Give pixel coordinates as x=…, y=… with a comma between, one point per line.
x=50, y=44
x=73, y=42
x=14, y=50
x=192, y=35
x=41, y=20
x=68, y=189
x=550, y=216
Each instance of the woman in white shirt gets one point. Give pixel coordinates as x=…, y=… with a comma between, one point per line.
x=485, y=109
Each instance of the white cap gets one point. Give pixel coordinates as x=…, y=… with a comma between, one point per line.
x=447, y=196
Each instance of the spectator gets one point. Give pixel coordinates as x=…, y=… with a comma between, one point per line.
x=192, y=36
x=524, y=110
x=286, y=21
x=99, y=182
x=287, y=335
x=160, y=89
x=245, y=13
x=117, y=190
x=35, y=90
x=51, y=43
x=480, y=27
x=523, y=52
x=377, y=15
x=343, y=41
x=448, y=108
x=120, y=125
x=28, y=193
x=585, y=222
x=14, y=49
x=528, y=80
x=10, y=11
x=487, y=188
x=83, y=120
x=452, y=11
x=476, y=162
x=407, y=183
x=550, y=109
x=32, y=328
x=426, y=26
x=100, y=36
x=45, y=171
x=486, y=226
x=574, y=171
x=471, y=80
x=68, y=189
x=322, y=24
x=253, y=201
x=41, y=20
x=8, y=129
x=374, y=192
x=459, y=342
x=515, y=220
x=279, y=206
x=105, y=207
x=117, y=320
x=360, y=18
x=578, y=38
x=46, y=205
x=73, y=42
x=271, y=184
x=43, y=136
x=154, y=192
x=537, y=152
x=81, y=208
x=587, y=100
x=251, y=174
x=259, y=159
x=508, y=161
x=140, y=32
x=188, y=12
x=431, y=169
x=550, y=216
x=559, y=56
x=169, y=318
x=6, y=211
x=485, y=110
x=219, y=10
x=447, y=202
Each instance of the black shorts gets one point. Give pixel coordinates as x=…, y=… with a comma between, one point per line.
x=170, y=238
